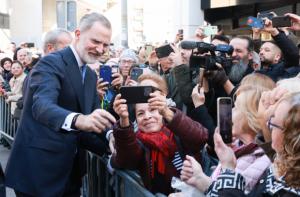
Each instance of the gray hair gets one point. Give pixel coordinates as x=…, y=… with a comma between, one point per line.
x=291, y=84
x=256, y=59
x=52, y=36
x=87, y=21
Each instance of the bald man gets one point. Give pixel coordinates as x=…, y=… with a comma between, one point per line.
x=269, y=54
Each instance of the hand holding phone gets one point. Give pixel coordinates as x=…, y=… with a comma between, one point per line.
x=121, y=108
x=224, y=116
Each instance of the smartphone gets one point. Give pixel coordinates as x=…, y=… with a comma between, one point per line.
x=164, y=51
x=281, y=21
x=105, y=73
x=148, y=50
x=210, y=30
x=180, y=32
x=135, y=73
x=255, y=22
x=136, y=94
x=224, y=113
x=114, y=69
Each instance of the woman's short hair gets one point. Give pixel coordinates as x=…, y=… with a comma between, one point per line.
x=157, y=79
x=248, y=104
x=257, y=79
x=288, y=161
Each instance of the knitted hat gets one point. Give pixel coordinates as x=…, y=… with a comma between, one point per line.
x=129, y=54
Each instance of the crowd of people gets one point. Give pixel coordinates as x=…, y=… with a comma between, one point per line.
x=65, y=107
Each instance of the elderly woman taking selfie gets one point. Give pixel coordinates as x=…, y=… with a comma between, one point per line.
x=164, y=135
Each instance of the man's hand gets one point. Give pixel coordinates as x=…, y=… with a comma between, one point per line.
x=295, y=21
x=269, y=27
x=98, y=121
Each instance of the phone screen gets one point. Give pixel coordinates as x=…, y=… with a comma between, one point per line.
x=105, y=73
x=135, y=73
x=225, y=118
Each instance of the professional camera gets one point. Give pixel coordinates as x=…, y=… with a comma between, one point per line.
x=207, y=55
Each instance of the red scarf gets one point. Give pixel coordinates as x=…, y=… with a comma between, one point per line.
x=162, y=147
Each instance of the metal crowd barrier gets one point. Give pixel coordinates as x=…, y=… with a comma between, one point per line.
x=8, y=125
x=98, y=182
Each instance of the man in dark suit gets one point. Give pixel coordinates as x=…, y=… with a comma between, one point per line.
x=60, y=116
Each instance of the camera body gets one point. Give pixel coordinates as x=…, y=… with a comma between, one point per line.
x=207, y=55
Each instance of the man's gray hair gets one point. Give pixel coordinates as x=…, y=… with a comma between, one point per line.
x=52, y=36
x=87, y=21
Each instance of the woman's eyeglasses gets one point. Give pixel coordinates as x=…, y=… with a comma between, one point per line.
x=271, y=125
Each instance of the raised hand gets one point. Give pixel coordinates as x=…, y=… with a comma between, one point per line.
x=121, y=108
x=224, y=152
x=198, y=96
x=295, y=21
x=102, y=88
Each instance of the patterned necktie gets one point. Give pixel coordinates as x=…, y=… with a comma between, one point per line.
x=83, y=71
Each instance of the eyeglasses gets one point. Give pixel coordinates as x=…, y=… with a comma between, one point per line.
x=271, y=125
x=126, y=62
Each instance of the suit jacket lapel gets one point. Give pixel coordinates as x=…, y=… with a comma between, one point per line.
x=74, y=74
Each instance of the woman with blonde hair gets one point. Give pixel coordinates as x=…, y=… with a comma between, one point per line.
x=281, y=179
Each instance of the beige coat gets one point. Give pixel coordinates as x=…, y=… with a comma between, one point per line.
x=16, y=85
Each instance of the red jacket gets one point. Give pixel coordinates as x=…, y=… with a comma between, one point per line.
x=132, y=155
